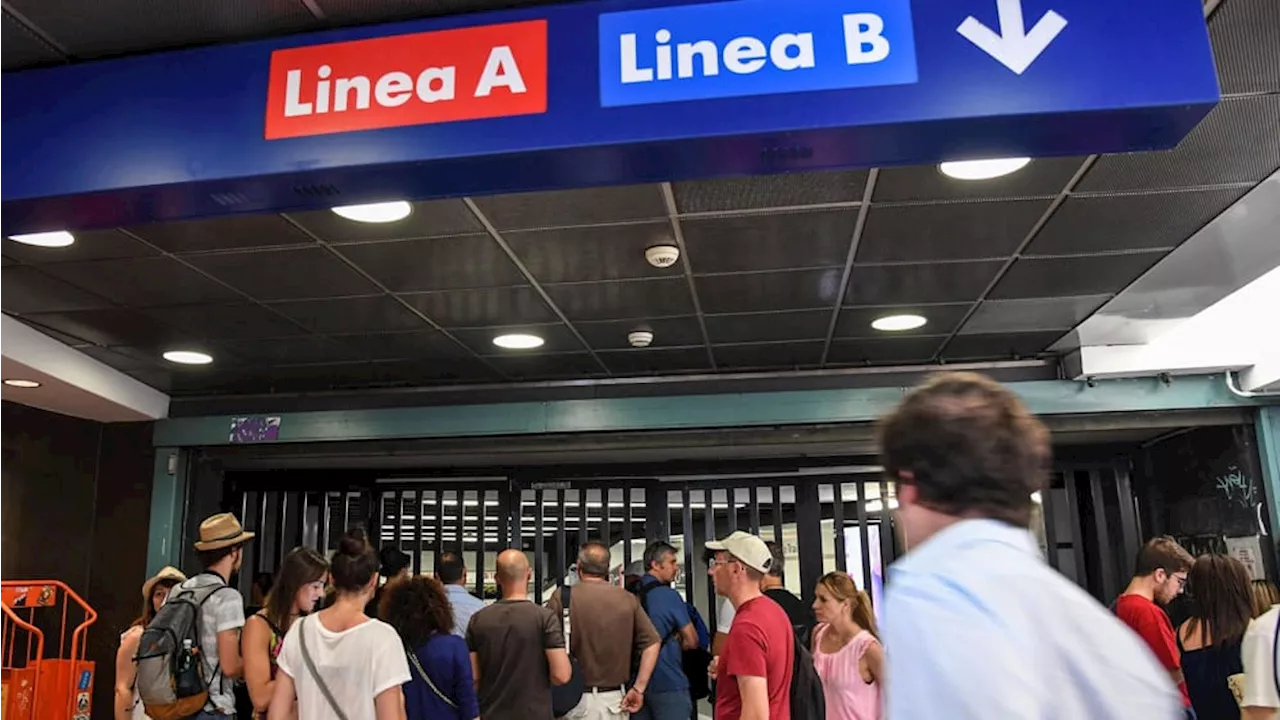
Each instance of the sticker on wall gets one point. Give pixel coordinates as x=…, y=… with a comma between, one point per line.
x=85, y=677
x=255, y=429
x=82, y=702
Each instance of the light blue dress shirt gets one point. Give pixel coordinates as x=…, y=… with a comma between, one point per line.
x=464, y=606
x=978, y=627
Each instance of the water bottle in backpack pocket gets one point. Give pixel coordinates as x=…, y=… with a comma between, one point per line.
x=173, y=677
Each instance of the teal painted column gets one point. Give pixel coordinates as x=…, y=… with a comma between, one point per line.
x=168, y=503
x=1268, y=431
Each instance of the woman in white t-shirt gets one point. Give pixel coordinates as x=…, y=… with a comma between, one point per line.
x=339, y=664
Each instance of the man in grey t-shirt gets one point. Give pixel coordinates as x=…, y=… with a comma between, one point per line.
x=221, y=551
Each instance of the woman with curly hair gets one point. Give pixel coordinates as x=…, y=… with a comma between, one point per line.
x=442, y=685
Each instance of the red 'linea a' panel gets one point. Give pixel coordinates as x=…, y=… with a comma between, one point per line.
x=432, y=77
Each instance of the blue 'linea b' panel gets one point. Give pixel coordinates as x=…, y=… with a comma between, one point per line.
x=622, y=91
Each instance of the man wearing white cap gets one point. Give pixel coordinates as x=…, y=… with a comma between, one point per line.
x=754, y=669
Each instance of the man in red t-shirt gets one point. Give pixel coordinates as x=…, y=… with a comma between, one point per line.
x=1160, y=575
x=754, y=669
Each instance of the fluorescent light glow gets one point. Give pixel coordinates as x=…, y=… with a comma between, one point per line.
x=383, y=212
x=1037, y=498
x=518, y=341
x=188, y=357
x=983, y=169
x=55, y=239
x=898, y=323
x=15, y=382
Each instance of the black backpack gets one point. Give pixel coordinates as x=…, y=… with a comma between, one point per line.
x=808, y=701
x=693, y=662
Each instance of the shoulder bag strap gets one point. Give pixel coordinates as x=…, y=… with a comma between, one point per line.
x=315, y=675
x=417, y=665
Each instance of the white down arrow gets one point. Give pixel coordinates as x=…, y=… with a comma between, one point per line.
x=1014, y=47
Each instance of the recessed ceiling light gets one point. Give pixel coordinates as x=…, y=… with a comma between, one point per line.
x=383, y=212
x=55, y=239
x=1037, y=498
x=898, y=323
x=14, y=382
x=188, y=357
x=518, y=341
x=983, y=169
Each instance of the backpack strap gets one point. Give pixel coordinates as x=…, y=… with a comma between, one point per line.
x=642, y=593
x=1275, y=657
x=566, y=599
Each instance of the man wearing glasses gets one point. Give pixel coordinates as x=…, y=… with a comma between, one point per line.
x=1160, y=575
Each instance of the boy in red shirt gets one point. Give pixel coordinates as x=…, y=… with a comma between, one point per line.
x=1160, y=575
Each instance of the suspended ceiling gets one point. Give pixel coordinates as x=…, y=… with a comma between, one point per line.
x=777, y=274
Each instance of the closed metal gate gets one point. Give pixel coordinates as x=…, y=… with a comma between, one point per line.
x=827, y=519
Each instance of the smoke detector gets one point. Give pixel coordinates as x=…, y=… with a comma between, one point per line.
x=640, y=338
x=662, y=256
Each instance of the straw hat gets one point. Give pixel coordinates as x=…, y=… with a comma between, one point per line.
x=220, y=531
x=169, y=572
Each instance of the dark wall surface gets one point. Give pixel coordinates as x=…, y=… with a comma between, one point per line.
x=75, y=501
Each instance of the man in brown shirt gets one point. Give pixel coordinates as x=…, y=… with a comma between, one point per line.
x=607, y=629
x=517, y=650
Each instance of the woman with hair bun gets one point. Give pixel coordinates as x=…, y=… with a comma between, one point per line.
x=846, y=650
x=339, y=663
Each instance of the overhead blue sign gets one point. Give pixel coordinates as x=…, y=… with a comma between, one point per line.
x=753, y=47
x=594, y=93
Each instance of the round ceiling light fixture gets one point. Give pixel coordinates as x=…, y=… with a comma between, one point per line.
x=188, y=357
x=19, y=383
x=640, y=338
x=983, y=169
x=55, y=239
x=518, y=341
x=383, y=212
x=898, y=323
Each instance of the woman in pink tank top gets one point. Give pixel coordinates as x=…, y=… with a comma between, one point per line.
x=846, y=651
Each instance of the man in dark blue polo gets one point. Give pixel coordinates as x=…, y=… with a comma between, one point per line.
x=667, y=697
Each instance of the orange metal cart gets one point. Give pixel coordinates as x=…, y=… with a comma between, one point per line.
x=36, y=687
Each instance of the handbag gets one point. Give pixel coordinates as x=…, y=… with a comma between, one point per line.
x=315, y=674
x=413, y=659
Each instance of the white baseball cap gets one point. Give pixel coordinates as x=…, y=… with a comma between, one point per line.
x=746, y=547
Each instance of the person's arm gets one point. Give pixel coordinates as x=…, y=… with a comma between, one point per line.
x=255, y=648
x=755, y=697
x=634, y=699
x=126, y=672
x=724, y=621
x=558, y=667
x=1157, y=631
x=389, y=704
x=229, y=615
x=688, y=637
x=464, y=684
x=1259, y=713
x=283, y=700
x=874, y=657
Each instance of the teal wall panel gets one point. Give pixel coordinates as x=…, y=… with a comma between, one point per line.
x=1045, y=397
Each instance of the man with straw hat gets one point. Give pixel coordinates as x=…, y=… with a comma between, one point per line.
x=221, y=552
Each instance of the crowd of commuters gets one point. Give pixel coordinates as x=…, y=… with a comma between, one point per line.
x=975, y=624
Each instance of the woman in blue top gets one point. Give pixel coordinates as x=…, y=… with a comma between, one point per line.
x=442, y=684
